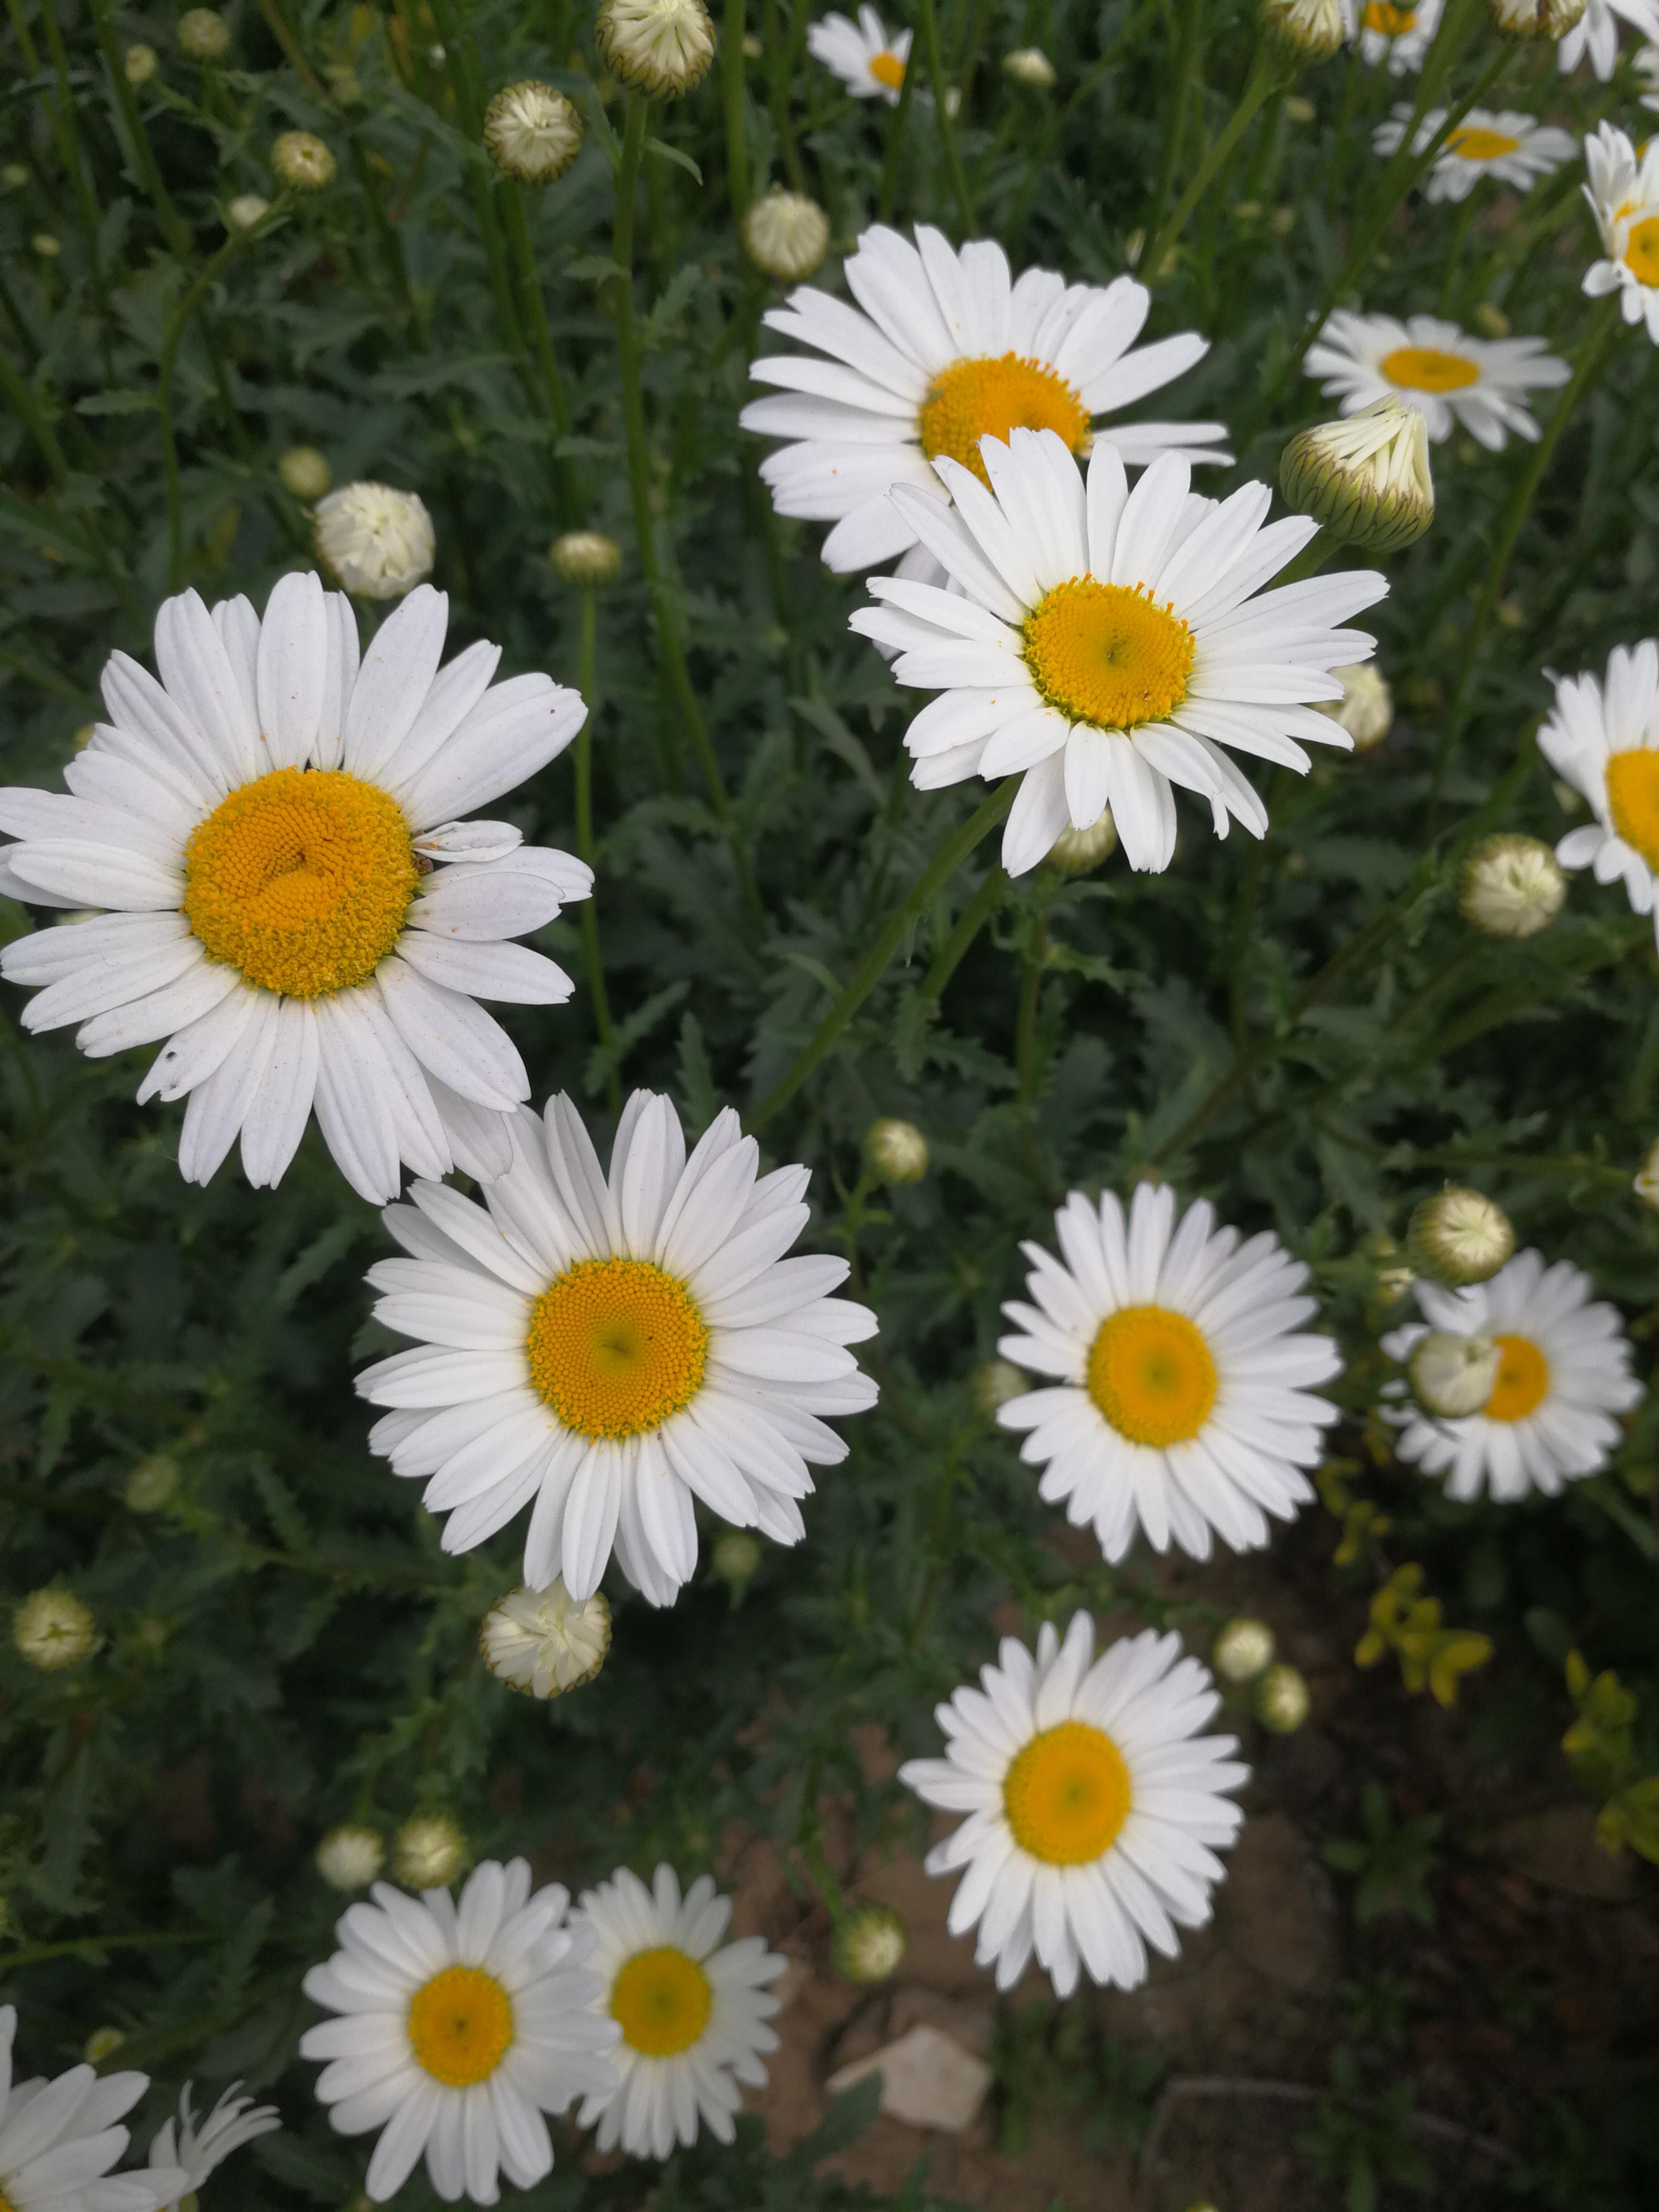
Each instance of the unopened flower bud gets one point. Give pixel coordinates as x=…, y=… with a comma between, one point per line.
x=870, y=1943
x=1536, y=19
x=786, y=235
x=735, y=1559
x=1075, y=852
x=660, y=46
x=532, y=133
x=300, y=158
x=14, y=176
x=46, y=245
x=52, y=1629
x=151, y=1483
x=378, y=542
x=1451, y=1376
x=350, y=1856
x=1281, y=1699
x=140, y=63
x=1031, y=66
x=427, y=1852
x=245, y=211
x=585, y=556
x=1242, y=1648
x=1513, y=886
x=1459, y=1237
x=305, y=473
x=995, y=1384
x=1647, y=1180
x=1365, y=478
x=1304, y=30
x=103, y=2042
x=898, y=1151
x=204, y=34
x=1365, y=710
x=543, y=1643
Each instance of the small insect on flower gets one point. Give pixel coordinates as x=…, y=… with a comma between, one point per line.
x=869, y=62
x=377, y=541
x=1512, y=886
x=786, y=235
x=1365, y=710
x=1459, y=1237
x=532, y=132
x=301, y=160
x=1623, y=192
x=1366, y=479
x=542, y=1642
x=662, y=47
x=350, y=1856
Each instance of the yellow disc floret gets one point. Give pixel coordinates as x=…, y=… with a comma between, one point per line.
x=1392, y=22
x=616, y=1346
x=1633, y=800
x=661, y=2001
x=1471, y=144
x=460, y=2025
x=1522, y=1382
x=1642, y=250
x=1151, y=1375
x=1427, y=368
x=888, y=68
x=300, y=880
x=1067, y=1794
x=991, y=396
x=1107, y=653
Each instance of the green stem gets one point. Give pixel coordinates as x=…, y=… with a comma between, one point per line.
x=175, y=229
x=777, y=87
x=1265, y=78
x=736, y=137
x=566, y=497
x=969, y=922
x=69, y=147
x=932, y=880
x=178, y=323
x=25, y=403
x=665, y=611
x=947, y=129
x=895, y=130
x=1181, y=73
x=34, y=1955
x=590, y=919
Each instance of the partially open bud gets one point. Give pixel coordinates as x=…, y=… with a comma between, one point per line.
x=1647, y=1180
x=427, y=1852
x=204, y=34
x=587, y=557
x=350, y=1856
x=51, y=1630
x=1281, y=1701
x=300, y=158
x=1366, y=478
x=1459, y=1237
x=543, y=1643
x=377, y=541
x=660, y=46
x=995, y=1384
x=1243, y=1648
x=898, y=1151
x=1029, y=65
x=1451, y=1376
x=305, y=473
x=786, y=235
x=1536, y=19
x=1306, y=30
x=870, y=1943
x=1513, y=886
x=532, y=133
x=1074, y=851
x=1365, y=710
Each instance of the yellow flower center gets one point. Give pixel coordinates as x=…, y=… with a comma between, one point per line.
x=661, y=2001
x=1426, y=369
x=1067, y=1794
x=1471, y=144
x=990, y=396
x=888, y=69
x=300, y=880
x=1107, y=653
x=1522, y=1380
x=1642, y=250
x=460, y=2025
x=1633, y=800
x=1393, y=22
x=616, y=1346
x=1151, y=1375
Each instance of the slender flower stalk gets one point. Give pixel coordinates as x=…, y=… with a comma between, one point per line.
x=946, y=122
x=1269, y=73
x=737, y=138
x=898, y=122
x=590, y=918
x=1182, y=70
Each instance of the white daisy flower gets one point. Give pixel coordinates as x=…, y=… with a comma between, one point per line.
x=1596, y=34
x=1450, y=378
x=1603, y=739
x=198, y=2150
x=1397, y=35
x=1503, y=144
x=1562, y=1374
x=1183, y=1391
x=948, y=348
x=1623, y=192
x=292, y=904
x=608, y=1350
x=1093, y=1805
x=58, y=2141
x=869, y=62
x=1110, y=644
x=692, y=2012
x=459, y=2027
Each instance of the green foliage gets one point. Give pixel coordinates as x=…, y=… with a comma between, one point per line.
x=1362, y=2143
x=1392, y=1861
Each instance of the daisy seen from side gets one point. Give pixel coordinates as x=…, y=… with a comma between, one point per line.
x=1596, y=34
x=606, y=1349
x=943, y=346
x=1623, y=192
x=1181, y=1391
x=1562, y=1377
x=59, y=2139
x=1094, y=1806
x=692, y=2011
x=199, y=2149
x=1510, y=147
x=459, y=2025
x=1397, y=35
x=1602, y=738
x=869, y=60
x=1450, y=378
x=291, y=903
x=1108, y=645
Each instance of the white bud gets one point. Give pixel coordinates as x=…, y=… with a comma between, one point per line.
x=427, y=1852
x=305, y=473
x=1459, y=1236
x=203, y=33
x=532, y=132
x=585, y=556
x=53, y=1630
x=1242, y=1648
x=1281, y=1701
x=1307, y=30
x=1453, y=1376
x=246, y=210
x=870, y=1943
x=786, y=235
x=1365, y=710
x=1513, y=886
x=1075, y=852
x=378, y=542
x=140, y=63
x=660, y=46
x=1536, y=19
x=1029, y=65
x=300, y=158
x=898, y=1151
x=1365, y=478
x=543, y=1643
x=350, y=1856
